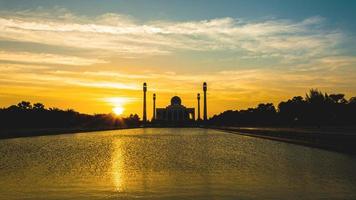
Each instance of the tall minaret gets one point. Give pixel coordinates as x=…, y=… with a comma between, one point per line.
x=154, y=107
x=205, y=87
x=144, y=117
x=198, y=98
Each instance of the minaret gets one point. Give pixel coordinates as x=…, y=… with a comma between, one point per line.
x=205, y=87
x=198, y=98
x=154, y=107
x=144, y=117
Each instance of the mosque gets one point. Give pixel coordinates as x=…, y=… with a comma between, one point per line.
x=176, y=112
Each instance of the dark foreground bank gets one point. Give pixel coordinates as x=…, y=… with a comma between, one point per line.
x=335, y=139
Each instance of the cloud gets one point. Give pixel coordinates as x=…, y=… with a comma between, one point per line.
x=227, y=82
x=122, y=35
x=44, y=58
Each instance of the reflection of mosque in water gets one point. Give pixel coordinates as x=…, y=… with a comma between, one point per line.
x=175, y=112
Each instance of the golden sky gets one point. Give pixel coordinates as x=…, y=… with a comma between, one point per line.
x=93, y=63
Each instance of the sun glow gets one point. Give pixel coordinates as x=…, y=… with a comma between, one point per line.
x=117, y=104
x=118, y=110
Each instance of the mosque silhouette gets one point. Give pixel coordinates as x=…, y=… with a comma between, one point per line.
x=175, y=113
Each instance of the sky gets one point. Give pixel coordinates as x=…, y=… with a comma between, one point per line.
x=93, y=56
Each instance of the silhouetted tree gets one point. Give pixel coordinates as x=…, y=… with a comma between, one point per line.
x=315, y=97
x=352, y=100
x=338, y=98
x=38, y=106
x=24, y=105
x=264, y=114
x=292, y=111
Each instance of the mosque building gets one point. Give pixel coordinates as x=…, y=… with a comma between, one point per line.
x=176, y=111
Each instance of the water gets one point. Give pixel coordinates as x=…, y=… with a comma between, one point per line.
x=170, y=164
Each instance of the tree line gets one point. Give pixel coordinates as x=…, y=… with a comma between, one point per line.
x=24, y=115
x=315, y=109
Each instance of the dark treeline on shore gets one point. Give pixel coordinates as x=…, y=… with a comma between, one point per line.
x=315, y=109
x=24, y=115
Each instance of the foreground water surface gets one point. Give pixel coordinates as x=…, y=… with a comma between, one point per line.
x=170, y=164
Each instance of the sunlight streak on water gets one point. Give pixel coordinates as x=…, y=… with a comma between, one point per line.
x=117, y=166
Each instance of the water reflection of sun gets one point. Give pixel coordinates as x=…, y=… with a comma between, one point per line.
x=117, y=167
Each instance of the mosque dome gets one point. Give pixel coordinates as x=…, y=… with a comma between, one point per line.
x=176, y=101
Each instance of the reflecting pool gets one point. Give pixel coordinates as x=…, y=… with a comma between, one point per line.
x=176, y=163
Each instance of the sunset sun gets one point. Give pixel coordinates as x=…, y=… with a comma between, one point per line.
x=118, y=110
